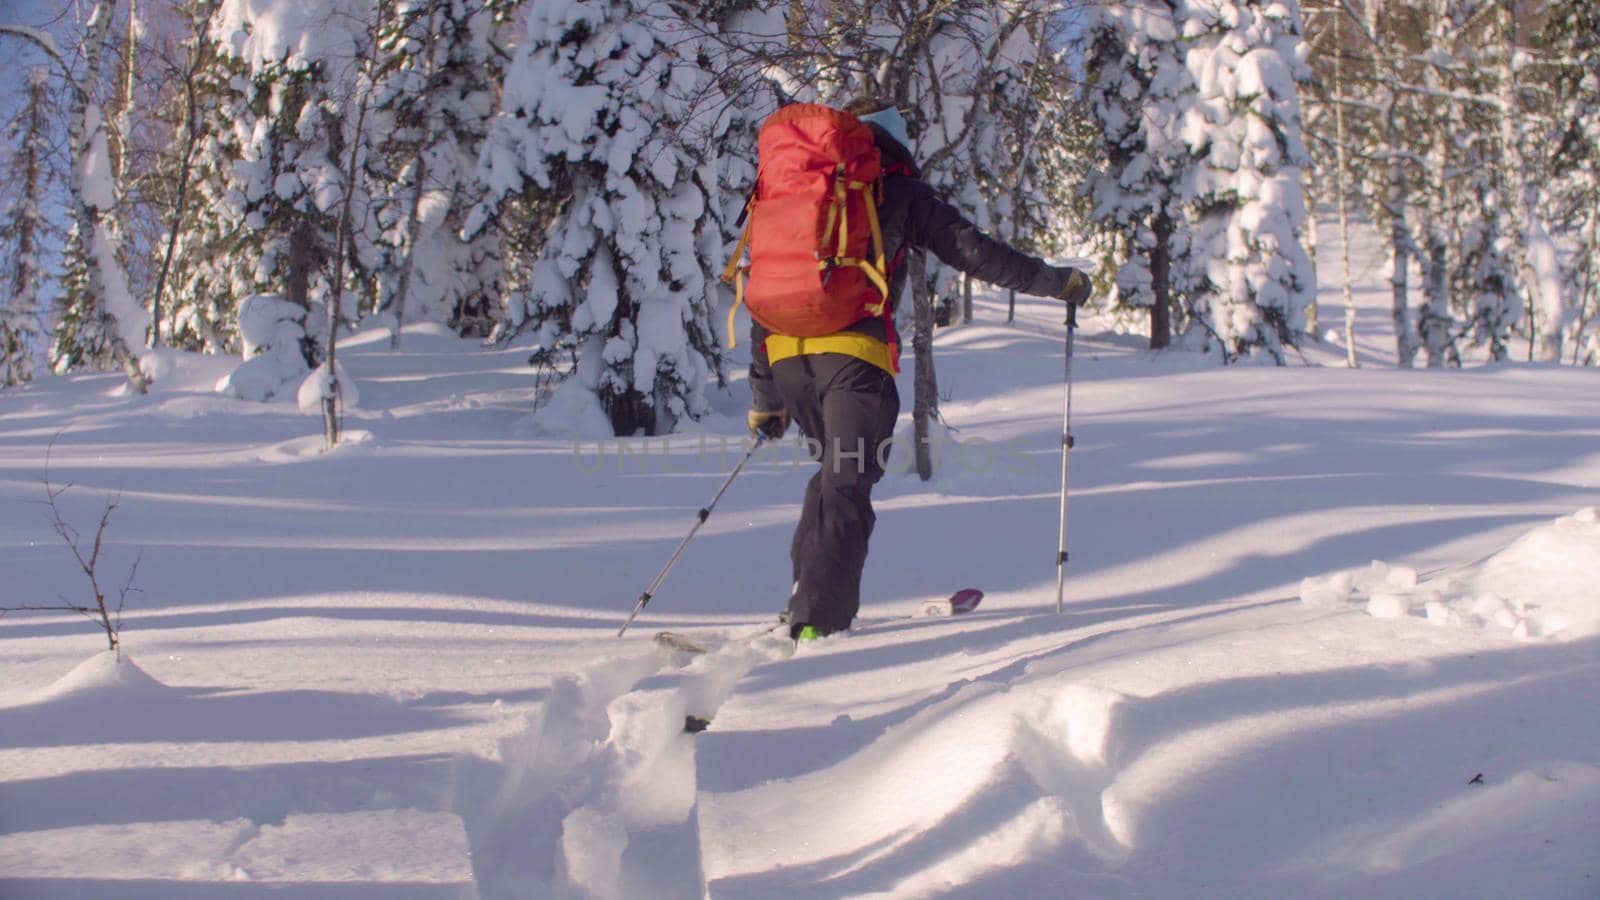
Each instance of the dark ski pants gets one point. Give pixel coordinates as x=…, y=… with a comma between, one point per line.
x=847, y=408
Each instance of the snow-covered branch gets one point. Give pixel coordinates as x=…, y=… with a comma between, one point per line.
x=40, y=38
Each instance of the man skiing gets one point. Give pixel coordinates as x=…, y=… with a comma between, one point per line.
x=838, y=385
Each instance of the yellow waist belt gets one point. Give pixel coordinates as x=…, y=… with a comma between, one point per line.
x=849, y=343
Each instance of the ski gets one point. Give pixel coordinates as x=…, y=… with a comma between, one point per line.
x=961, y=602
x=685, y=648
x=679, y=642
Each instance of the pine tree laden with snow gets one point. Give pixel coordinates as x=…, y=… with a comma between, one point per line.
x=211, y=270
x=1247, y=58
x=605, y=108
x=291, y=109
x=1139, y=91
x=23, y=231
x=435, y=98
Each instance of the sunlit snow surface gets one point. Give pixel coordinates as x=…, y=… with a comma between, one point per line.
x=391, y=670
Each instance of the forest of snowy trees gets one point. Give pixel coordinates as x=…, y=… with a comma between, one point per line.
x=256, y=178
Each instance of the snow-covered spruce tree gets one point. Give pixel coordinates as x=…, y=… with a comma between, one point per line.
x=606, y=107
x=1139, y=92
x=77, y=335
x=435, y=97
x=1246, y=57
x=290, y=108
x=212, y=269
x=23, y=231
x=114, y=321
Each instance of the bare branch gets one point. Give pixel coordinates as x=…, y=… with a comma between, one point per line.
x=43, y=41
x=90, y=565
x=128, y=588
x=34, y=607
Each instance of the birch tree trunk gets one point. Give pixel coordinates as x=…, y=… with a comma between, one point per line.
x=94, y=197
x=1339, y=198
x=121, y=112
x=1435, y=323
x=1589, y=298
x=330, y=393
x=1313, y=249
x=413, y=217
x=1397, y=203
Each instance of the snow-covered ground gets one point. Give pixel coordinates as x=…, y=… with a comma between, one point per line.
x=1328, y=633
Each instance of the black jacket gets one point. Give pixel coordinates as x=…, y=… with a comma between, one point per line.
x=913, y=217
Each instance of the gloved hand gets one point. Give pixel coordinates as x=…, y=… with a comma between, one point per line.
x=1077, y=287
x=771, y=425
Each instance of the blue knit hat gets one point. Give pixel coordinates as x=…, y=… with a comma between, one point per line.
x=891, y=122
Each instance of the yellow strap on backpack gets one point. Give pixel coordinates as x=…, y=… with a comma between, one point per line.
x=876, y=270
x=880, y=274
x=734, y=274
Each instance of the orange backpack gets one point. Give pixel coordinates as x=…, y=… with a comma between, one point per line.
x=813, y=268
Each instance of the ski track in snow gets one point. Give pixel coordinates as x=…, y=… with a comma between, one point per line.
x=603, y=767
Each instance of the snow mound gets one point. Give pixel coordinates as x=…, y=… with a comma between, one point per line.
x=317, y=384
x=272, y=330
x=179, y=371
x=1020, y=771
x=1540, y=586
x=1478, y=820
x=307, y=448
x=102, y=676
x=572, y=411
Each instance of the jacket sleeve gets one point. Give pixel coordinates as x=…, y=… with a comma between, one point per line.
x=764, y=395
x=936, y=225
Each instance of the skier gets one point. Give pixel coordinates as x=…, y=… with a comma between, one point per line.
x=839, y=387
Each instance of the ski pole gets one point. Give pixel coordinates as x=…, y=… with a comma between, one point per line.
x=1066, y=452
x=700, y=519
